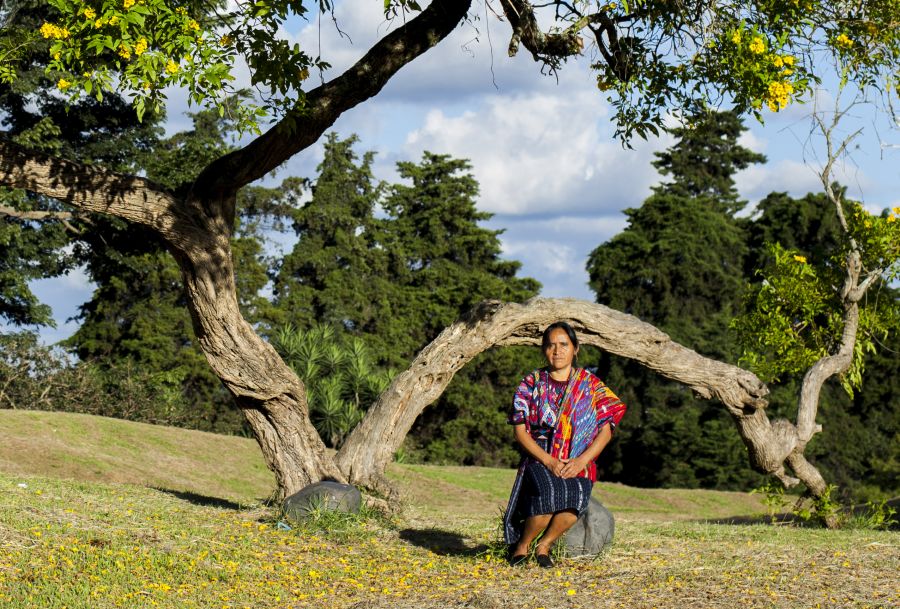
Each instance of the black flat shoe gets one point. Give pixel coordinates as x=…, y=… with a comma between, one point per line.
x=544, y=560
x=519, y=560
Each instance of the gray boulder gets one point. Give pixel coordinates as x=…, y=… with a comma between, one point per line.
x=591, y=533
x=325, y=495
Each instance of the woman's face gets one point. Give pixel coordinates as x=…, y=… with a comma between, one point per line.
x=560, y=352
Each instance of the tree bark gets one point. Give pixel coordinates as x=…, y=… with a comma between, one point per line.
x=371, y=445
x=268, y=392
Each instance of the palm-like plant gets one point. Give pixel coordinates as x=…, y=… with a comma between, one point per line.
x=341, y=379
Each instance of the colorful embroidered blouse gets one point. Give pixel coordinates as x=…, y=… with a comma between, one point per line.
x=577, y=416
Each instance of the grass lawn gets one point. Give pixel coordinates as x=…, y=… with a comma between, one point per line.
x=89, y=543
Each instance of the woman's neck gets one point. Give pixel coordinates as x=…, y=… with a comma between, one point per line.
x=561, y=374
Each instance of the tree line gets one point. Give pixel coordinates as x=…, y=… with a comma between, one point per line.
x=378, y=270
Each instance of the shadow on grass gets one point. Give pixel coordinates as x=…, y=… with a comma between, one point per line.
x=202, y=500
x=443, y=543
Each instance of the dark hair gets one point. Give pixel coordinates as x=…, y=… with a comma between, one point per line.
x=565, y=327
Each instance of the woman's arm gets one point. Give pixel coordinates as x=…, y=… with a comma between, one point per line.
x=573, y=467
x=531, y=447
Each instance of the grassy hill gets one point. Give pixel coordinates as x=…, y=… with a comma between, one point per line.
x=187, y=529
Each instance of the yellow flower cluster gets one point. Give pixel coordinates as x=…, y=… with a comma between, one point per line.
x=90, y=13
x=124, y=52
x=779, y=95
x=48, y=30
x=843, y=41
x=140, y=47
x=193, y=25
x=171, y=67
x=757, y=45
x=800, y=259
x=128, y=3
x=63, y=84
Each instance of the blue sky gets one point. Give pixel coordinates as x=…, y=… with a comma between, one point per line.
x=542, y=148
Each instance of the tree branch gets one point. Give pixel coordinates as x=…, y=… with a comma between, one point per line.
x=373, y=442
x=88, y=188
x=543, y=47
x=63, y=216
x=324, y=104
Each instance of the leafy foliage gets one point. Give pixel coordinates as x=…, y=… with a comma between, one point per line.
x=653, y=57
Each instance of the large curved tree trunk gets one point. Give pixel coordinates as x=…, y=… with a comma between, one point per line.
x=268, y=392
x=370, y=447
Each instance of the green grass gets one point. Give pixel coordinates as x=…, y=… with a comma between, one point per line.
x=83, y=543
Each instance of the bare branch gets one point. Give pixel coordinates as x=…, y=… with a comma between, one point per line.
x=543, y=46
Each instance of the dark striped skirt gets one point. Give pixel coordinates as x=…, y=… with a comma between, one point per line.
x=537, y=491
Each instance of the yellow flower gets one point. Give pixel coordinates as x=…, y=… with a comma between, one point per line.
x=63, y=84
x=757, y=45
x=570, y=592
x=128, y=3
x=171, y=67
x=140, y=47
x=88, y=74
x=788, y=60
x=56, y=56
x=113, y=20
x=891, y=218
x=800, y=259
x=787, y=72
x=193, y=25
x=736, y=38
x=896, y=210
x=124, y=53
x=777, y=62
x=146, y=86
x=181, y=11
x=48, y=30
x=843, y=41
x=99, y=23
x=90, y=13
x=225, y=40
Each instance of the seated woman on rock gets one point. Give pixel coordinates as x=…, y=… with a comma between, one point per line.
x=563, y=418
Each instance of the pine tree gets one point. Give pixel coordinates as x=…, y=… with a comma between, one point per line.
x=679, y=265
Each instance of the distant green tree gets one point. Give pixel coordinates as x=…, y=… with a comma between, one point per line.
x=679, y=264
x=334, y=274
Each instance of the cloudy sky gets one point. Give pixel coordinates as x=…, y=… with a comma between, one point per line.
x=541, y=147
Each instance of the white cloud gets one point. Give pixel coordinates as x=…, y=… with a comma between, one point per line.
x=537, y=153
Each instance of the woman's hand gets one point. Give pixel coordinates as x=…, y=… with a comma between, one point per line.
x=571, y=467
x=555, y=466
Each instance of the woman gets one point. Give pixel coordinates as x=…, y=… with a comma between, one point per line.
x=563, y=418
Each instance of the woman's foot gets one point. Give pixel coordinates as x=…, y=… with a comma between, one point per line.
x=544, y=560
x=518, y=559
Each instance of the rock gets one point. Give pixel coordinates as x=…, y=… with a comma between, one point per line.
x=592, y=533
x=322, y=495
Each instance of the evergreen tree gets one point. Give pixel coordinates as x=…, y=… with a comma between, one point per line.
x=679, y=265
x=334, y=275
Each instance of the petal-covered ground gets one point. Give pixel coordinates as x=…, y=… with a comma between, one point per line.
x=78, y=545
